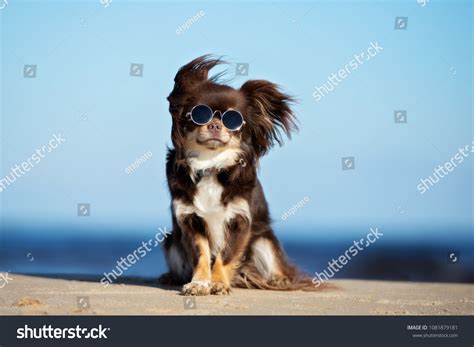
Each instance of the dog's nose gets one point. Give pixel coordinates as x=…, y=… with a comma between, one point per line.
x=215, y=127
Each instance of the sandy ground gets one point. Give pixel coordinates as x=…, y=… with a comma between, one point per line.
x=29, y=295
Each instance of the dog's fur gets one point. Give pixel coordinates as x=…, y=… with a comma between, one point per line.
x=221, y=225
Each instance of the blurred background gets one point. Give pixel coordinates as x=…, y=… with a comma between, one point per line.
x=98, y=73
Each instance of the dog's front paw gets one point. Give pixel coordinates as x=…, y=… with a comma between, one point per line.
x=219, y=288
x=197, y=288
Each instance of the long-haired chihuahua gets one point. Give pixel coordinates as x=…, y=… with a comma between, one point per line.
x=222, y=235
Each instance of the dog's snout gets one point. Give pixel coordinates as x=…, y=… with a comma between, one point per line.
x=215, y=127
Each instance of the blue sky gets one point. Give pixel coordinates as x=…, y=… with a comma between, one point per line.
x=84, y=91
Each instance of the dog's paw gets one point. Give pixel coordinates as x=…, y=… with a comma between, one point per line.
x=219, y=288
x=196, y=288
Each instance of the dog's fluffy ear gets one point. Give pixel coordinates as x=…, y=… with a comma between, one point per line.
x=190, y=77
x=271, y=114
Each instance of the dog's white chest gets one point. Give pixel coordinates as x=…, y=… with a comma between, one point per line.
x=208, y=195
x=208, y=206
x=207, y=198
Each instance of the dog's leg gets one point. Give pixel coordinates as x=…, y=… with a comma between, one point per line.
x=238, y=234
x=221, y=277
x=201, y=281
x=196, y=246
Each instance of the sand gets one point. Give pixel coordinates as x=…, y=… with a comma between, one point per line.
x=32, y=295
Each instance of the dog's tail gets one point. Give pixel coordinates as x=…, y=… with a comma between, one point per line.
x=291, y=279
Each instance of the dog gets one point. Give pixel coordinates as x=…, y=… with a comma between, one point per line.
x=222, y=235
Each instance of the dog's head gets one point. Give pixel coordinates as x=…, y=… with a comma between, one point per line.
x=264, y=108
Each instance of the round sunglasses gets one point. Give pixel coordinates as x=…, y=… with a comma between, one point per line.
x=203, y=114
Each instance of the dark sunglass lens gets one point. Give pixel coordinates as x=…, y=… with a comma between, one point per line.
x=201, y=114
x=232, y=120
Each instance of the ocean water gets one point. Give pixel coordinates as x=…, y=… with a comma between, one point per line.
x=53, y=252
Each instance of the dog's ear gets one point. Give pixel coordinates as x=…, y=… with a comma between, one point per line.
x=190, y=77
x=271, y=114
x=188, y=80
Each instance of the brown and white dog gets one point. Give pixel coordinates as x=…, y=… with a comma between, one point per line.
x=222, y=235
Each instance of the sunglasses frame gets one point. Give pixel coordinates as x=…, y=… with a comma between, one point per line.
x=189, y=115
